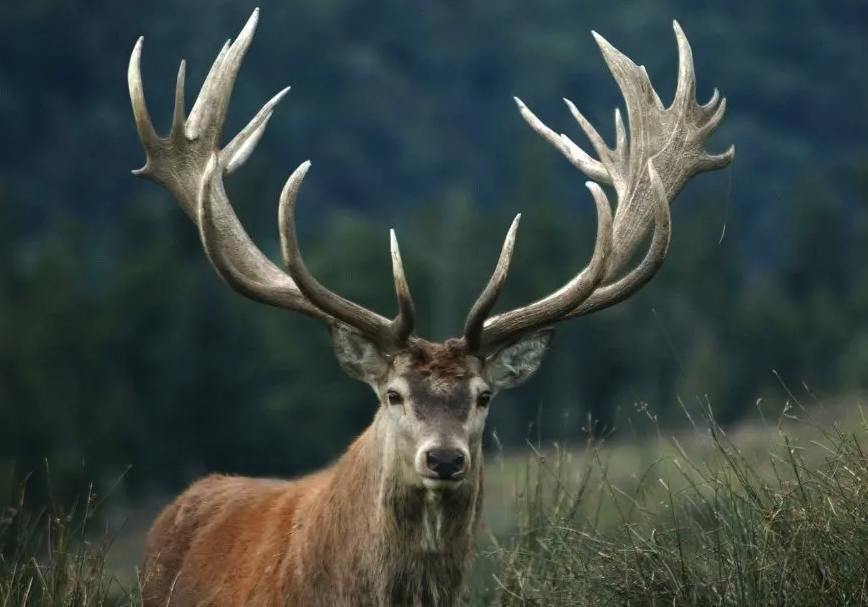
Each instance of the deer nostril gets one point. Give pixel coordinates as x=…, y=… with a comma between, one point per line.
x=447, y=464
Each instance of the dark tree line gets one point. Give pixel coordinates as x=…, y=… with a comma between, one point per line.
x=120, y=346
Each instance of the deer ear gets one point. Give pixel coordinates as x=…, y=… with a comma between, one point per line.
x=358, y=356
x=516, y=363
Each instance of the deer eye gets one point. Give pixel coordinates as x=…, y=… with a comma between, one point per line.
x=394, y=398
x=483, y=399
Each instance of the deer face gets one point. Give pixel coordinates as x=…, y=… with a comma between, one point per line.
x=434, y=398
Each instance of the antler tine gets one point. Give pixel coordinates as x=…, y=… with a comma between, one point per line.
x=403, y=324
x=579, y=157
x=665, y=149
x=474, y=324
x=222, y=237
x=145, y=128
x=190, y=165
x=385, y=332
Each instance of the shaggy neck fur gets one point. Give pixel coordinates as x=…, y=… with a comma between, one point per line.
x=417, y=543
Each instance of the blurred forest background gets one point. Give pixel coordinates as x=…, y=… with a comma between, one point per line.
x=120, y=346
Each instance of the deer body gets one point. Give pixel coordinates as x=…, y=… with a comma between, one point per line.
x=370, y=514
x=393, y=522
x=403, y=546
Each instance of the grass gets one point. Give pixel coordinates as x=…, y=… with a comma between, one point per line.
x=49, y=557
x=771, y=513
x=718, y=521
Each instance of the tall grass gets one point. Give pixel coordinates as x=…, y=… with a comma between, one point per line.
x=49, y=557
x=705, y=518
x=717, y=526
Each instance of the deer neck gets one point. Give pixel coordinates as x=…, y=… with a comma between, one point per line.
x=409, y=546
x=421, y=520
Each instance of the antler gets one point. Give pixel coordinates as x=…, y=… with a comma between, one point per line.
x=666, y=149
x=190, y=165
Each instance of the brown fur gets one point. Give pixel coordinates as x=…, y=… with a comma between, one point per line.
x=352, y=535
x=448, y=359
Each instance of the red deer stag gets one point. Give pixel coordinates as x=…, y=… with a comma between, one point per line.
x=394, y=520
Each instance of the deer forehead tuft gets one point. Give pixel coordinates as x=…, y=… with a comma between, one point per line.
x=439, y=361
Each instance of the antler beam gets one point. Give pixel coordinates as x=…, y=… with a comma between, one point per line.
x=190, y=165
x=665, y=149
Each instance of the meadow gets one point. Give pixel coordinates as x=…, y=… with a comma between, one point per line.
x=770, y=512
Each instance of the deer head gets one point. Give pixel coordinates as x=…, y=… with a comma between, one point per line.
x=434, y=397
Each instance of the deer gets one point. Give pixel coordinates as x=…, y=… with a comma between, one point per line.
x=394, y=520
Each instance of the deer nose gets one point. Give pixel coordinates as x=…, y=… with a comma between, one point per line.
x=447, y=464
